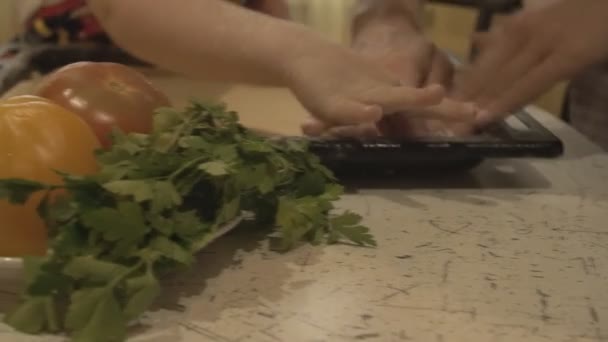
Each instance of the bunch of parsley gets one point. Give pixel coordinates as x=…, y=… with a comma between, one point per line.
x=157, y=200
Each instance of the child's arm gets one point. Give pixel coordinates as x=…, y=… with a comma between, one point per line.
x=204, y=38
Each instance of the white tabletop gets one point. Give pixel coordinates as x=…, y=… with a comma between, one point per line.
x=515, y=250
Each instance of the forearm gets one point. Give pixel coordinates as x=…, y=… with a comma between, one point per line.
x=212, y=39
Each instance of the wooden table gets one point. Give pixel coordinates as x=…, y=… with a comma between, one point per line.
x=512, y=251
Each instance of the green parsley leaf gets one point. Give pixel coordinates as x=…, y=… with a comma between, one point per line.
x=32, y=316
x=346, y=219
x=332, y=192
x=214, y=168
x=195, y=142
x=166, y=118
x=141, y=293
x=94, y=270
x=227, y=153
x=310, y=184
x=296, y=218
x=55, y=211
x=165, y=196
x=95, y=316
x=32, y=267
x=18, y=191
x=171, y=250
x=251, y=146
x=348, y=226
x=229, y=210
x=125, y=222
x=187, y=181
x=185, y=224
x=70, y=240
x=188, y=224
x=258, y=175
x=115, y=163
x=161, y=224
x=45, y=278
x=140, y=190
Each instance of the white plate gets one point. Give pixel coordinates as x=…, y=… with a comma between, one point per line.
x=11, y=268
x=10, y=263
x=11, y=276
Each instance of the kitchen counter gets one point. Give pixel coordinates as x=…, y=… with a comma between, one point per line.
x=511, y=251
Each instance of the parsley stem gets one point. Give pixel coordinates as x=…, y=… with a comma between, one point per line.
x=180, y=131
x=51, y=314
x=187, y=166
x=125, y=274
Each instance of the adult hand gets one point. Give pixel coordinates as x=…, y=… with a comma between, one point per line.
x=530, y=52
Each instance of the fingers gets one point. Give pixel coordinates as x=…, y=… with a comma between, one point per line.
x=356, y=131
x=524, y=90
x=481, y=40
x=449, y=110
x=498, y=51
x=531, y=56
x=410, y=104
x=370, y=108
x=401, y=127
x=342, y=111
x=409, y=72
x=316, y=128
x=441, y=71
x=404, y=98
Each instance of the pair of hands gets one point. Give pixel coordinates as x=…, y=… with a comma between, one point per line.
x=394, y=70
x=399, y=49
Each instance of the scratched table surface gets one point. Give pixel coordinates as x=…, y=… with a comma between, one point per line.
x=515, y=250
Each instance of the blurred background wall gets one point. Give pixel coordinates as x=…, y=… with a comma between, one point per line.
x=449, y=26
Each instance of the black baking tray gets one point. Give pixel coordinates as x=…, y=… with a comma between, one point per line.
x=520, y=136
